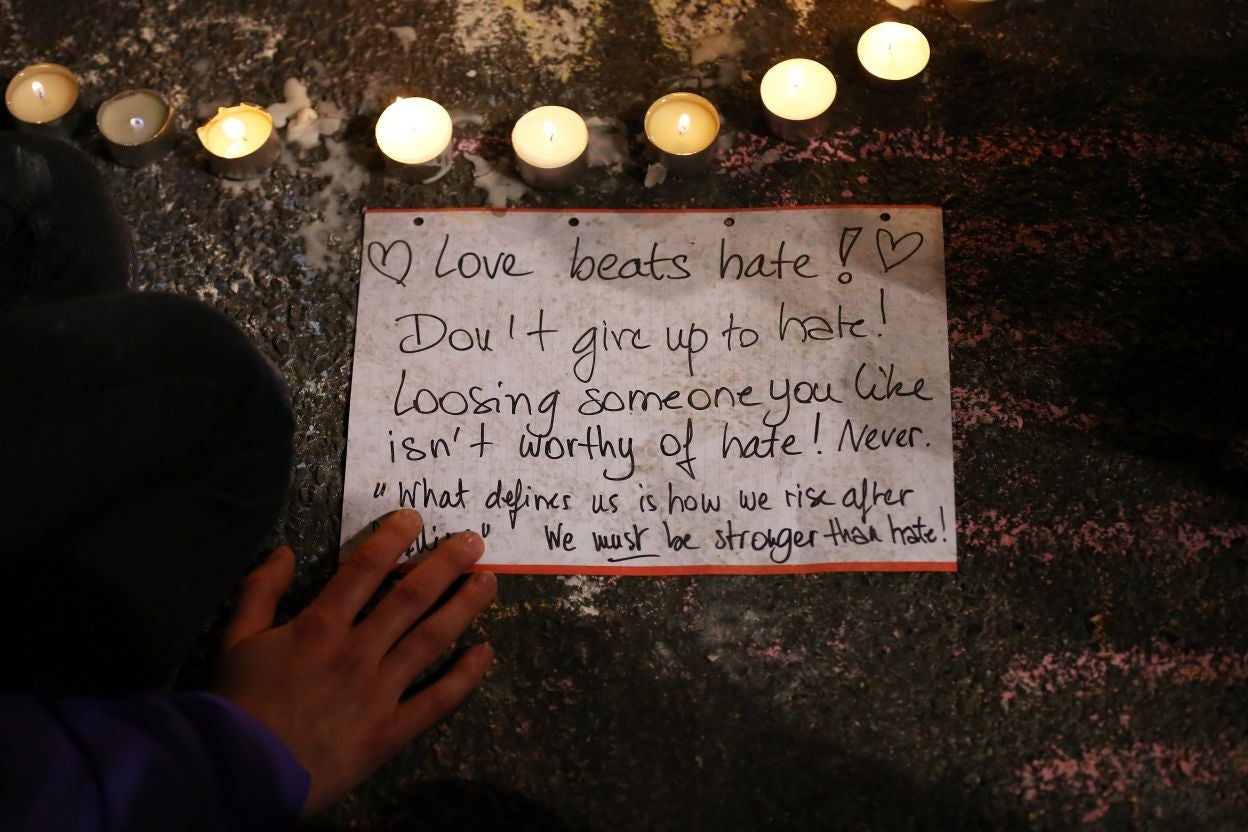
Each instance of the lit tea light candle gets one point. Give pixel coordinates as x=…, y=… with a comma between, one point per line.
x=240, y=141
x=976, y=11
x=43, y=99
x=893, y=53
x=414, y=135
x=550, y=145
x=682, y=129
x=137, y=126
x=798, y=95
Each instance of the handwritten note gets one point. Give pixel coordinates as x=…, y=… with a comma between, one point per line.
x=658, y=392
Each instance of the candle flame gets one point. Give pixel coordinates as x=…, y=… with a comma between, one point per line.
x=37, y=88
x=137, y=123
x=887, y=54
x=795, y=78
x=682, y=124
x=233, y=129
x=549, y=128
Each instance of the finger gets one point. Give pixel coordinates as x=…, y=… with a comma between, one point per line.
x=417, y=714
x=257, y=600
x=359, y=575
x=421, y=647
x=413, y=596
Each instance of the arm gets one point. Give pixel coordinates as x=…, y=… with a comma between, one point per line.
x=154, y=761
x=307, y=710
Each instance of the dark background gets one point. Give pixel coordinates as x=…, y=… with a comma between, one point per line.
x=1087, y=664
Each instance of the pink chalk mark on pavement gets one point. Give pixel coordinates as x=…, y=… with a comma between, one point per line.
x=1164, y=534
x=960, y=334
x=839, y=647
x=773, y=652
x=996, y=241
x=1005, y=145
x=1100, y=777
x=467, y=144
x=1160, y=664
x=975, y=406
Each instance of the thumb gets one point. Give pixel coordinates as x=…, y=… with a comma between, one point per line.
x=257, y=601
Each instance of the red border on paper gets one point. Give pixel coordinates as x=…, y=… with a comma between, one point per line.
x=756, y=209
x=717, y=569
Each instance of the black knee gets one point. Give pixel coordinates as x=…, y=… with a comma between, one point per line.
x=211, y=346
x=61, y=235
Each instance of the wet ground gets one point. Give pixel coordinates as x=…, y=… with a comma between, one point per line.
x=1087, y=664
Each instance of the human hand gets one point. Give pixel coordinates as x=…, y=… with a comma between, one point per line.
x=330, y=688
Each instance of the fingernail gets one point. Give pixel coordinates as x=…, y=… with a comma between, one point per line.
x=484, y=580
x=473, y=542
x=407, y=515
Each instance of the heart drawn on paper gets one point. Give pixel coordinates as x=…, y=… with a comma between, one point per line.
x=393, y=261
x=899, y=250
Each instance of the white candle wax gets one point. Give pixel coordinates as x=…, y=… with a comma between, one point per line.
x=550, y=145
x=798, y=89
x=893, y=51
x=41, y=93
x=549, y=137
x=137, y=126
x=235, y=132
x=414, y=131
x=241, y=141
x=682, y=124
x=133, y=117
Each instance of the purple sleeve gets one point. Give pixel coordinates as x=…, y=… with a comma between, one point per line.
x=187, y=761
